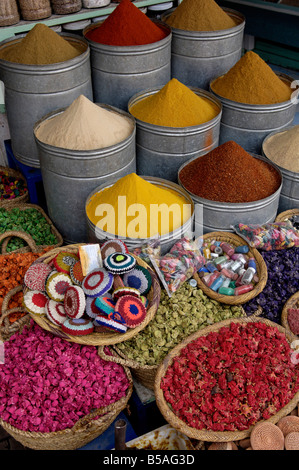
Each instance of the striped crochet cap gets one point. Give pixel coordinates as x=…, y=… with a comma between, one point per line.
x=117, y=293
x=90, y=308
x=56, y=285
x=139, y=278
x=76, y=273
x=97, y=283
x=35, y=301
x=103, y=320
x=77, y=326
x=105, y=304
x=55, y=312
x=119, y=263
x=74, y=302
x=131, y=309
x=36, y=275
x=64, y=260
x=113, y=246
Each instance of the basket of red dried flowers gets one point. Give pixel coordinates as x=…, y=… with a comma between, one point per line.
x=222, y=380
x=58, y=395
x=290, y=315
x=261, y=270
x=101, y=336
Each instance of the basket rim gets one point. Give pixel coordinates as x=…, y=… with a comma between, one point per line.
x=105, y=338
x=206, y=435
x=283, y=216
x=261, y=271
x=291, y=302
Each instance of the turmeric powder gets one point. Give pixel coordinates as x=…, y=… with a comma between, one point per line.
x=200, y=15
x=175, y=105
x=159, y=210
x=252, y=81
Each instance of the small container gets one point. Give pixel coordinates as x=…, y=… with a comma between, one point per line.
x=9, y=13
x=35, y=9
x=95, y=3
x=156, y=11
x=76, y=27
x=65, y=7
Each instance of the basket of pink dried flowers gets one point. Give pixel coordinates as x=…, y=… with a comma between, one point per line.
x=58, y=395
x=222, y=380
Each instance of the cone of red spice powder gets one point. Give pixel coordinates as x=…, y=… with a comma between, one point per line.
x=230, y=174
x=126, y=26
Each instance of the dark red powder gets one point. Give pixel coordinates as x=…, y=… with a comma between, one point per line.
x=126, y=26
x=230, y=174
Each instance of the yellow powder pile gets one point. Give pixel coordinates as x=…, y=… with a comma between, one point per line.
x=283, y=149
x=252, y=81
x=40, y=46
x=200, y=15
x=175, y=105
x=84, y=126
x=129, y=208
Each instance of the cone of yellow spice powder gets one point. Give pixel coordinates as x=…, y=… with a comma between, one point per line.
x=252, y=81
x=200, y=15
x=133, y=202
x=175, y=105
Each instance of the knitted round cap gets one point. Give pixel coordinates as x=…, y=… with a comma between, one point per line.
x=113, y=246
x=97, y=283
x=36, y=275
x=77, y=326
x=119, y=263
x=56, y=285
x=55, y=312
x=131, y=309
x=64, y=260
x=139, y=278
x=35, y=302
x=74, y=302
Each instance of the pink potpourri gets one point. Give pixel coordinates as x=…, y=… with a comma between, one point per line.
x=47, y=384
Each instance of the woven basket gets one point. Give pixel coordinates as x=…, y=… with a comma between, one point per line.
x=262, y=273
x=85, y=430
x=286, y=215
x=9, y=328
x=103, y=338
x=35, y=9
x=9, y=13
x=18, y=175
x=6, y=236
x=292, y=302
x=204, y=434
x=64, y=7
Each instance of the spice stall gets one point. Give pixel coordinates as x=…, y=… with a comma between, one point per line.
x=154, y=296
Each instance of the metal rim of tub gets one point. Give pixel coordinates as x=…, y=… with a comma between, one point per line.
x=190, y=130
x=135, y=49
x=220, y=34
x=94, y=153
x=239, y=206
x=141, y=241
x=253, y=108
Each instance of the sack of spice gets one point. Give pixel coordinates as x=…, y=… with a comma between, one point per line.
x=273, y=236
x=178, y=265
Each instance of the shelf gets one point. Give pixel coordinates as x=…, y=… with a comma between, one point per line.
x=53, y=20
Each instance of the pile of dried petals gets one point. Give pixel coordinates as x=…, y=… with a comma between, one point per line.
x=48, y=384
x=13, y=267
x=230, y=379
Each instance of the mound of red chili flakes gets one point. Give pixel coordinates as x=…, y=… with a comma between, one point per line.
x=230, y=379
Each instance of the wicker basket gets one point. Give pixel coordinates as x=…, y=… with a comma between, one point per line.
x=103, y=338
x=9, y=13
x=64, y=7
x=85, y=430
x=9, y=328
x=260, y=264
x=31, y=245
x=286, y=215
x=204, y=434
x=35, y=9
x=18, y=175
x=292, y=302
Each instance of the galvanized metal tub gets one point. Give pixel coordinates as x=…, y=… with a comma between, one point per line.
x=249, y=124
x=199, y=56
x=220, y=216
x=160, y=151
x=289, y=196
x=97, y=235
x=70, y=175
x=118, y=72
x=32, y=91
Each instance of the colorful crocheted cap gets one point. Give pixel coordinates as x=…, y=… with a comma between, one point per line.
x=55, y=312
x=77, y=326
x=117, y=293
x=139, y=278
x=57, y=284
x=117, y=282
x=105, y=305
x=97, y=283
x=113, y=246
x=74, y=302
x=90, y=308
x=76, y=273
x=131, y=309
x=64, y=260
x=35, y=301
x=103, y=320
x=36, y=275
x=144, y=300
x=119, y=263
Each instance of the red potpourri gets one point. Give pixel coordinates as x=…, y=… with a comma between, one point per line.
x=230, y=379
